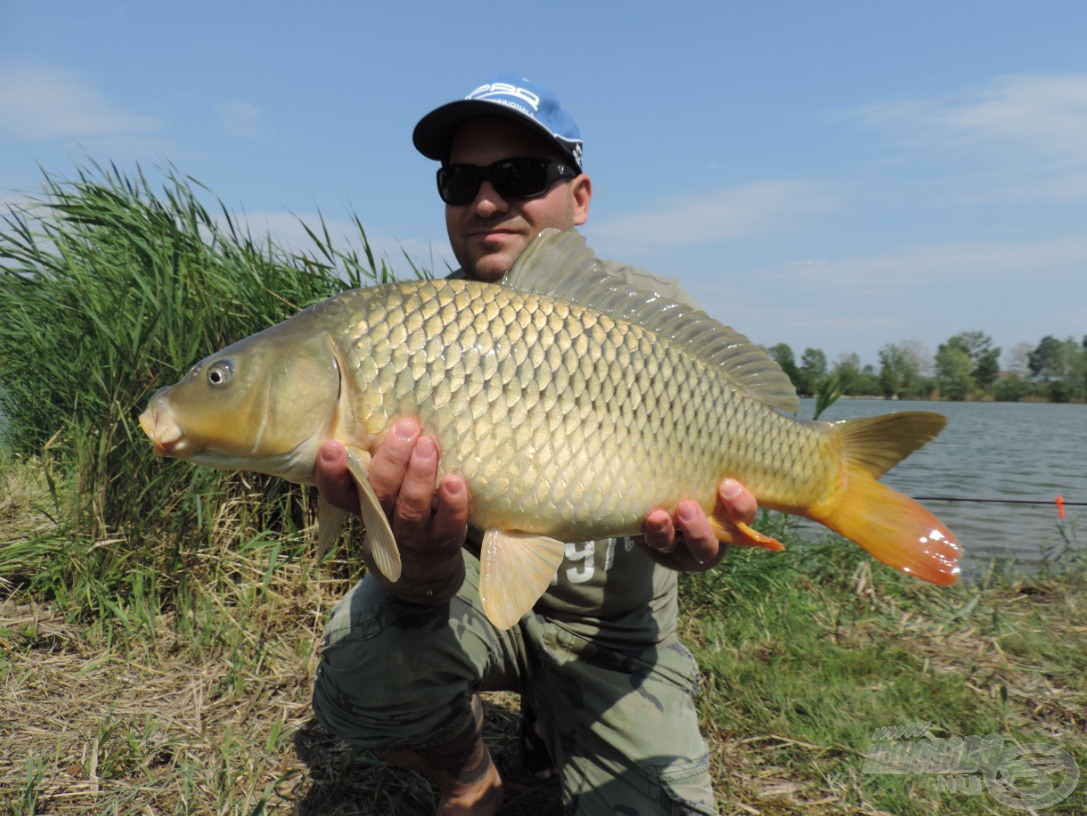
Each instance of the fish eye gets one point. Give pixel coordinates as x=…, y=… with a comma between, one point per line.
x=220, y=373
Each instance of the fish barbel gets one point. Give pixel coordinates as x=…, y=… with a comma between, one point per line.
x=570, y=416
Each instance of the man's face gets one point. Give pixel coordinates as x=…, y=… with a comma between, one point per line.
x=488, y=234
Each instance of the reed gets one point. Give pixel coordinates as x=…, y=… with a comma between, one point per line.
x=111, y=289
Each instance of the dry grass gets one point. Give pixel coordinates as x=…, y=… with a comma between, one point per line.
x=161, y=725
x=168, y=722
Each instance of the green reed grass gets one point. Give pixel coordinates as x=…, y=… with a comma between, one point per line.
x=110, y=289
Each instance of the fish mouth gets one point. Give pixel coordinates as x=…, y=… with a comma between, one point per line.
x=164, y=432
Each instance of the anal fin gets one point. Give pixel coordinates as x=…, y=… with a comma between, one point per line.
x=329, y=524
x=379, y=535
x=736, y=532
x=515, y=570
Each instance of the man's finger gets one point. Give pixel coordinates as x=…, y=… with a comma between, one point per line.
x=333, y=481
x=738, y=502
x=390, y=462
x=414, y=504
x=697, y=535
x=449, y=525
x=659, y=532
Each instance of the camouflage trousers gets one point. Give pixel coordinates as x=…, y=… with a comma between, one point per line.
x=620, y=723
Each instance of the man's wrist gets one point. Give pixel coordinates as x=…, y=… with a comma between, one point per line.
x=430, y=592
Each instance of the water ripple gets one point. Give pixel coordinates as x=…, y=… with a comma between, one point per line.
x=994, y=451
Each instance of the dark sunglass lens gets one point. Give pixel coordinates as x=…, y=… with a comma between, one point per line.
x=520, y=178
x=459, y=183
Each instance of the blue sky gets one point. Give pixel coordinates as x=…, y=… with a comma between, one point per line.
x=840, y=175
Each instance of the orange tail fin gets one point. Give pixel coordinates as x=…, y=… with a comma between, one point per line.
x=892, y=527
x=896, y=530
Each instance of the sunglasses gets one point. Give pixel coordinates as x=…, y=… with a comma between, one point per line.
x=513, y=179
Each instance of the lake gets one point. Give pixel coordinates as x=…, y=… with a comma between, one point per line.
x=998, y=451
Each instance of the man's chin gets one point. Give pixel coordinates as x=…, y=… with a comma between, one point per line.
x=491, y=266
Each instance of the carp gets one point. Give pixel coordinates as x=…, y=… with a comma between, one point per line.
x=572, y=404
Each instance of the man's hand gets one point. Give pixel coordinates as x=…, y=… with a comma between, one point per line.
x=687, y=543
x=429, y=525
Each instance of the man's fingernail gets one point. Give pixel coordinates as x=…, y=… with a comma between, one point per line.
x=425, y=448
x=404, y=429
x=731, y=489
x=686, y=512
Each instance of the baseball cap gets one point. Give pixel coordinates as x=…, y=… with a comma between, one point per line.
x=507, y=95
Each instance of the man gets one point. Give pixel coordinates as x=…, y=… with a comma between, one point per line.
x=597, y=662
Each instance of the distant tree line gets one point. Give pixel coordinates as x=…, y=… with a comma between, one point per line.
x=965, y=367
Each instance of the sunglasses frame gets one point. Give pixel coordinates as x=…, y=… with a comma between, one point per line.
x=553, y=169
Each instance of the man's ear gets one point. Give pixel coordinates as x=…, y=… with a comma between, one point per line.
x=582, y=191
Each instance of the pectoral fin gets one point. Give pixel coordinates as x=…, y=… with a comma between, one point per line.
x=736, y=532
x=515, y=570
x=379, y=535
x=329, y=523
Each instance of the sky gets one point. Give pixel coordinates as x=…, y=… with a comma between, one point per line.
x=835, y=175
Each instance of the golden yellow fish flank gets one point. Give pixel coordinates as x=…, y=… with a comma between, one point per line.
x=571, y=417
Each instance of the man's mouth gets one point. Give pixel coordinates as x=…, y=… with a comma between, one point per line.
x=485, y=231
x=496, y=228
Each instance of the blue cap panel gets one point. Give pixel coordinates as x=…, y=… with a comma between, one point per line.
x=506, y=95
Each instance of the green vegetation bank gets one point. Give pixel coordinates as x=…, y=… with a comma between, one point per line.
x=965, y=367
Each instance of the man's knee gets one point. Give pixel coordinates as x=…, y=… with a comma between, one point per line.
x=390, y=672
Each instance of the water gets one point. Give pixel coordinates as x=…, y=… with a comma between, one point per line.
x=1000, y=451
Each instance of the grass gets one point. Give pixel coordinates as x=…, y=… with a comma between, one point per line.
x=800, y=678
x=160, y=624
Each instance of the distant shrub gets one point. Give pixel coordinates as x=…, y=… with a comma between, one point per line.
x=1012, y=388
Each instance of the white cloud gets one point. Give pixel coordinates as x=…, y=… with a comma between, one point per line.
x=1012, y=290
x=240, y=118
x=1028, y=131
x=288, y=231
x=1020, y=262
x=46, y=103
x=753, y=209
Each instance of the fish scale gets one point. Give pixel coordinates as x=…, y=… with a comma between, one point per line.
x=625, y=391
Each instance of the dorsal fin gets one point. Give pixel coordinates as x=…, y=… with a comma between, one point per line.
x=879, y=443
x=559, y=264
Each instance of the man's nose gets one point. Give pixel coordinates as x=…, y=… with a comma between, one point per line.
x=488, y=201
